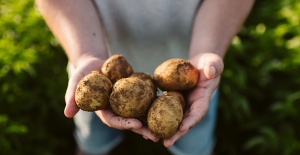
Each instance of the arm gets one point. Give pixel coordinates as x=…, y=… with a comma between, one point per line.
x=77, y=26
x=74, y=23
x=216, y=23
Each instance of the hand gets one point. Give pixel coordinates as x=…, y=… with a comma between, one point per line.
x=210, y=67
x=85, y=66
x=112, y=120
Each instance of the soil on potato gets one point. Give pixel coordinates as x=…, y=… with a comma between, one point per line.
x=131, y=97
x=116, y=67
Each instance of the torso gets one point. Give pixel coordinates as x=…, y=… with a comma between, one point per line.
x=148, y=32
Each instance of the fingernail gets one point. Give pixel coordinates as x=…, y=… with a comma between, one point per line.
x=145, y=137
x=212, y=71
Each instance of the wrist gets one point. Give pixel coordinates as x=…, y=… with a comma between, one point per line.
x=201, y=46
x=193, y=55
x=84, y=58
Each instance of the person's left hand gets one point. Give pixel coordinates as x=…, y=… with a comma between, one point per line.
x=210, y=67
x=84, y=67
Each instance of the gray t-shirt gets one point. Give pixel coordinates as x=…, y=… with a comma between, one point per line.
x=148, y=32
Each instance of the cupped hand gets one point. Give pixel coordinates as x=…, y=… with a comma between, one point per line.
x=112, y=120
x=84, y=67
x=210, y=67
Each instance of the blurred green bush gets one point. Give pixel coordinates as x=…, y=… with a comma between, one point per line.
x=259, y=110
x=32, y=84
x=260, y=95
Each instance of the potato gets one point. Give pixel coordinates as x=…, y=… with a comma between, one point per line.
x=165, y=114
x=131, y=97
x=178, y=96
x=176, y=75
x=116, y=67
x=92, y=92
x=147, y=78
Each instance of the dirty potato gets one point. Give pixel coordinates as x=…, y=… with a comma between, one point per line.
x=176, y=75
x=131, y=97
x=178, y=96
x=147, y=78
x=165, y=114
x=92, y=92
x=116, y=67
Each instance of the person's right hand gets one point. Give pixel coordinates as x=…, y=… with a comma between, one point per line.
x=85, y=66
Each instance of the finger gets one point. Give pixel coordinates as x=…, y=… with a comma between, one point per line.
x=170, y=141
x=197, y=111
x=146, y=133
x=210, y=71
x=84, y=68
x=210, y=65
x=114, y=121
x=213, y=65
x=71, y=108
x=118, y=122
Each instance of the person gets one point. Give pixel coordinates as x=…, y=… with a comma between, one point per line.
x=146, y=33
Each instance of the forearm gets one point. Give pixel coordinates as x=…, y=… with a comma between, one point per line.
x=216, y=23
x=76, y=25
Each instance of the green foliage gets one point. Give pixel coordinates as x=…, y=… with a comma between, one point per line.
x=260, y=102
x=32, y=84
x=259, y=110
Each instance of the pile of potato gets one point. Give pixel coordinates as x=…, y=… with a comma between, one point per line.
x=134, y=95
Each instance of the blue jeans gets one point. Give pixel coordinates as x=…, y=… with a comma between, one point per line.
x=94, y=137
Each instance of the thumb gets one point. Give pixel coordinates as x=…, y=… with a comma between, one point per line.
x=211, y=65
x=71, y=108
x=83, y=68
x=210, y=72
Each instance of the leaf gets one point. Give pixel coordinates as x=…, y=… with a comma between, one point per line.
x=254, y=142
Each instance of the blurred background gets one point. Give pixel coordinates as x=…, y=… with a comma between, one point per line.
x=259, y=109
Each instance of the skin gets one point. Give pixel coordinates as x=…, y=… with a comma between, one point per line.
x=216, y=22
